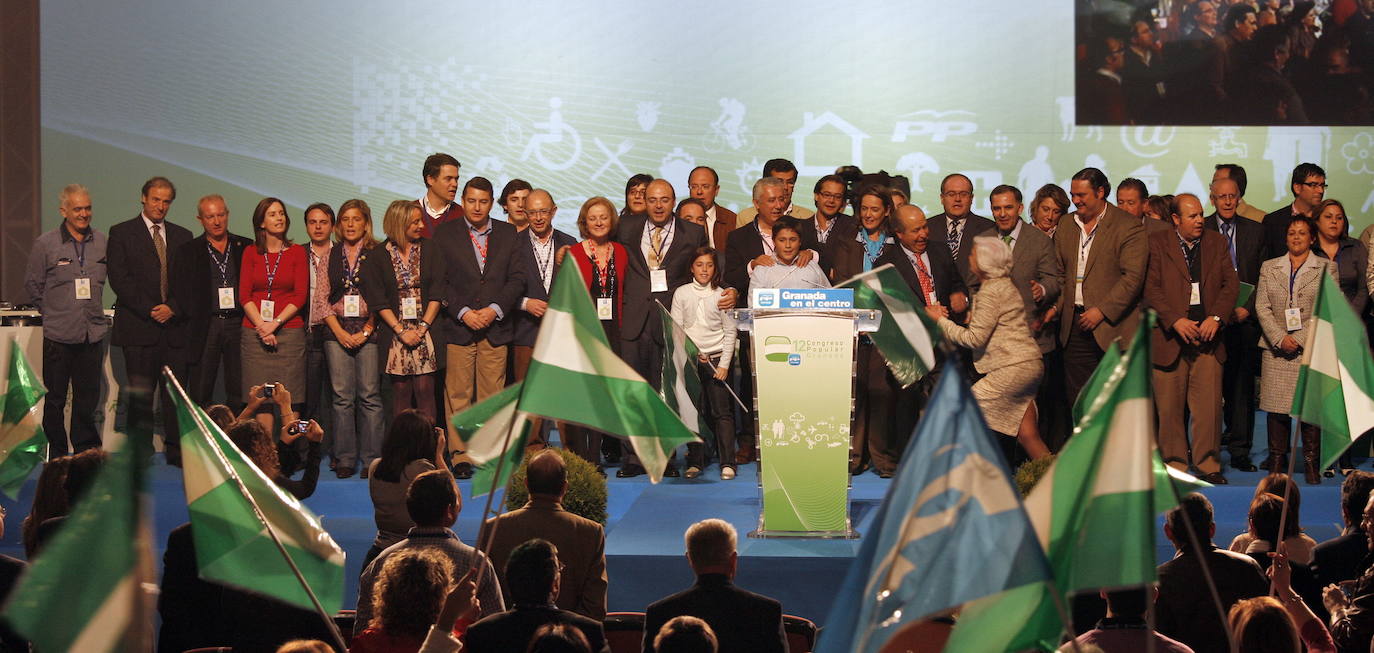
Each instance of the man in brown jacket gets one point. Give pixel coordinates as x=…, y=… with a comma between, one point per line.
x=581, y=542
x=1193, y=287
x=1103, y=254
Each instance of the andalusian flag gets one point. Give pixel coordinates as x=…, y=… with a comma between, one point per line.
x=233, y=544
x=681, y=386
x=1093, y=512
x=575, y=376
x=490, y=428
x=90, y=590
x=906, y=336
x=1336, y=381
x=22, y=443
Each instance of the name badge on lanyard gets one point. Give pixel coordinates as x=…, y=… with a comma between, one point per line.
x=1292, y=319
x=410, y=308
x=268, y=310
x=1195, y=296
x=226, y=298
x=83, y=288
x=605, y=310
x=658, y=280
x=353, y=306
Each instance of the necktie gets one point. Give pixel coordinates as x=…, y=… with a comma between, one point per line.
x=161, y=246
x=1229, y=230
x=1007, y=239
x=656, y=245
x=923, y=277
x=953, y=237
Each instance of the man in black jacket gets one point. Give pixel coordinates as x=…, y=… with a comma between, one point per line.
x=206, y=285
x=742, y=620
x=1340, y=558
x=149, y=324
x=532, y=577
x=538, y=247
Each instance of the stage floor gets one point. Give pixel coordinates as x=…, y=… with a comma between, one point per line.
x=644, y=548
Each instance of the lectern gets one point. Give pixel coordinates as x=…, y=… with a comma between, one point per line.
x=802, y=347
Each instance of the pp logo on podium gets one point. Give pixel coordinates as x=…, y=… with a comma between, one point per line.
x=778, y=349
x=766, y=298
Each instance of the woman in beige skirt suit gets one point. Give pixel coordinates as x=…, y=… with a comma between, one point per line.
x=1004, y=352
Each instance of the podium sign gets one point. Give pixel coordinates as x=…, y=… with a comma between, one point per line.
x=803, y=352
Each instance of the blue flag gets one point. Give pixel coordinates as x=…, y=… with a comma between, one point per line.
x=951, y=529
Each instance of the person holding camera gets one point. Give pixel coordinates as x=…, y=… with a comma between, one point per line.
x=298, y=442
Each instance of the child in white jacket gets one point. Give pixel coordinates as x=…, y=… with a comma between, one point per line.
x=696, y=309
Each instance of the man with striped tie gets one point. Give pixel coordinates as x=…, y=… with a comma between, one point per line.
x=954, y=229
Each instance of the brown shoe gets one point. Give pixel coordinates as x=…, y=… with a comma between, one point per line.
x=746, y=454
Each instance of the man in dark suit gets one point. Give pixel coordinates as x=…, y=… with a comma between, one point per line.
x=1309, y=187
x=533, y=579
x=742, y=620
x=149, y=323
x=661, y=247
x=954, y=229
x=831, y=225
x=786, y=172
x=539, y=245
x=1103, y=253
x=704, y=185
x=1142, y=76
x=1339, y=558
x=1185, y=610
x=206, y=284
x=581, y=542
x=1193, y=287
x=480, y=281
x=1034, y=267
x=440, y=174
x=1245, y=251
x=1131, y=194
x=1101, y=97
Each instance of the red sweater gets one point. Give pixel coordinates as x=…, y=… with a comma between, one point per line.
x=290, y=285
x=584, y=263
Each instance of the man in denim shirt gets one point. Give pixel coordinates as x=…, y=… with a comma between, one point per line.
x=65, y=279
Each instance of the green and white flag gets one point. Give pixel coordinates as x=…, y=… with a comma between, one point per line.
x=22, y=443
x=233, y=546
x=92, y=589
x=575, y=376
x=484, y=428
x=905, y=336
x=1336, y=381
x=681, y=386
x=1093, y=511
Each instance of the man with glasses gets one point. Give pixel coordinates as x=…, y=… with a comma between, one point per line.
x=704, y=185
x=1309, y=187
x=832, y=226
x=1101, y=99
x=955, y=228
x=1245, y=246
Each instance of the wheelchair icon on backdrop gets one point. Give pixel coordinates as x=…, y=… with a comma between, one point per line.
x=559, y=147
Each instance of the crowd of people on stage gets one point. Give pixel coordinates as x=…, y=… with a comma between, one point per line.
x=1212, y=62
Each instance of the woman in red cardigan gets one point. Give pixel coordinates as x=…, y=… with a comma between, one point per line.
x=274, y=284
x=602, y=262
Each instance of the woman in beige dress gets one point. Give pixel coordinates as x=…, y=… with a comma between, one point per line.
x=1004, y=352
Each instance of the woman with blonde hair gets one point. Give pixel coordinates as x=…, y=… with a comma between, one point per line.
x=1004, y=352
x=350, y=348
x=396, y=284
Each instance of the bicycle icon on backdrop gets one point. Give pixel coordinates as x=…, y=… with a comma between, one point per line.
x=565, y=144
x=728, y=129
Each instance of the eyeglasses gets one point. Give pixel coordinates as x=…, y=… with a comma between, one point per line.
x=1227, y=197
x=832, y=196
x=700, y=187
x=957, y=194
x=1315, y=184
x=542, y=213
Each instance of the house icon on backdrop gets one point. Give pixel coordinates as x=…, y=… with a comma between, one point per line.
x=810, y=124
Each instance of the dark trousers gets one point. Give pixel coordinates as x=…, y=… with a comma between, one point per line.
x=1238, y=387
x=720, y=410
x=222, y=347
x=1051, y=405
x=646, y=357
x=143, y=370
x=80, y=366
x=316, y=374
x=1081, y=356
x=744, y=386
x=873, y=438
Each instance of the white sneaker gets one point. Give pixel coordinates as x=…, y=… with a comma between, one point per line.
x=727, y=473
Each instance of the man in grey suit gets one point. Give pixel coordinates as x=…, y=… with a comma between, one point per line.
x=1103, y=252
x=1035, y=269
x=955, y=228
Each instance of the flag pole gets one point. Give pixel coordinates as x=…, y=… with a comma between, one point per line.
x=257, y=511
x=477, y=552
x=1293, y=441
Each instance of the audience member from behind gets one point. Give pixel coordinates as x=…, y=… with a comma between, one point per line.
x=558, y=638
x=581, y=542
x=1300, y=546
x=412, y=447
x=686, y=635
x=533, y=574
x=1266, y=513
x=1124, y=628
x=81, y=471
x=305, y=646
x=742, y=620
x=433, y=503
x=50, y=500
x=417, y=603
x=10, y=571
x=252, y=439
x=1338, y=559
x=1351, y=603
x=1185, y=610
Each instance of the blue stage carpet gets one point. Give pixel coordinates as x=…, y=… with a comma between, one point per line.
x=644, y=546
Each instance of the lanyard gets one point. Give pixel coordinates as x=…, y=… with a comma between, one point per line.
x=544, y=264
x=1187, y=256
x=602, y=275
x=272, y=270
x=767, y=242
x=80, y=253
x=1292, y=278
x=1083, y=249
x=480, y=245
x=223, y=265
x=351, y=272
x=407, y=263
